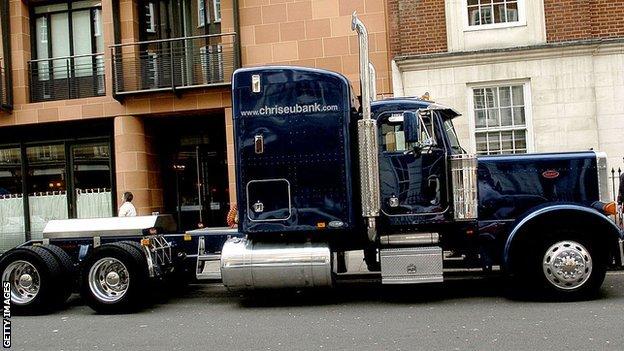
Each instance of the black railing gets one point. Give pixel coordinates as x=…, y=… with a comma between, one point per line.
x=174, y=64
x=4, y=94
x=70, y=77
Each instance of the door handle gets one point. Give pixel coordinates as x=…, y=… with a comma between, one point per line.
x=259, y=144
x=435, y=180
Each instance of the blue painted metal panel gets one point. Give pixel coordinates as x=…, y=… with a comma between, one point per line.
x=509, y=185
x=303, y=118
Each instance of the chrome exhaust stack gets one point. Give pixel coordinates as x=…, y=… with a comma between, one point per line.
x=367, y=137
x=373, y=81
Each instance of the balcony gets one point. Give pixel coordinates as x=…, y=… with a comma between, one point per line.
x=174, y=64
x=5, y=104
x=70, y=77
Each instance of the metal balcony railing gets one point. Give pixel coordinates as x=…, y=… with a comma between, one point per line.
x=4, y=94
x=174, y=64
x=70, y=77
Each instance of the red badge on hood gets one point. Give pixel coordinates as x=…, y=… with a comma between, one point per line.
x=550, y=174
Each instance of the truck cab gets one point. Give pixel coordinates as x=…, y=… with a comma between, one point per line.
x=414, y=178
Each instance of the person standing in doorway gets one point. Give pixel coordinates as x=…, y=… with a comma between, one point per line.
x=127, y=209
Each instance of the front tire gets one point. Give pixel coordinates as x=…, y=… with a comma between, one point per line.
x=565, y=267
x=114, y=279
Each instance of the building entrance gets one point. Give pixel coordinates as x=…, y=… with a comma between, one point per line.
x=193, y=161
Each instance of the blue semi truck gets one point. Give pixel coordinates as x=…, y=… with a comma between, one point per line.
x=320, y=173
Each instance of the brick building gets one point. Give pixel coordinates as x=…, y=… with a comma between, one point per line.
x=99, y=97
x=528, y=76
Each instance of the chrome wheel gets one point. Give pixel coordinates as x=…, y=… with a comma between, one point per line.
x=25, y=281
x=567, y=265
x=108, y=279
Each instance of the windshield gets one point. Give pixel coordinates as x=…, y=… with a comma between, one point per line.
x=452, y=136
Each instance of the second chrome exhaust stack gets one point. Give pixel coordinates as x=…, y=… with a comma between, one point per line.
x=367, y=137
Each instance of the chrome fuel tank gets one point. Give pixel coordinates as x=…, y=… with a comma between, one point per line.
x=247, y=265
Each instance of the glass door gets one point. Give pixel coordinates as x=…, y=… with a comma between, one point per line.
x=47, y=186
x=200, y=196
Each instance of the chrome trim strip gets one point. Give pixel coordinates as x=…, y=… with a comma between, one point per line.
x=603, y=176
x=621, y=242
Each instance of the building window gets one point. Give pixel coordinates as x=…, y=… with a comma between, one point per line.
x=488, y=12
x=12, y=224
x=152, y=70
x=201, y=13
x=65, y=180
x=68, y=51
x=150, y=20
x=212, y=63
x=500, y=119
x=217, y=10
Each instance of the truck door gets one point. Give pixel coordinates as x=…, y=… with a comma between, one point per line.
x=413, y=182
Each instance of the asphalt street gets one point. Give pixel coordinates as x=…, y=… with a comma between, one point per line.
x=456, y=315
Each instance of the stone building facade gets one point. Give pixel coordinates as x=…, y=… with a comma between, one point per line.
x=528, y=76
x=108, y=96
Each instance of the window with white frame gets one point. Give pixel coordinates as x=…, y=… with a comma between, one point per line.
x=217, y=10
x=490, y=12
x=150, y=19
x=201, y=13
x=500, y=119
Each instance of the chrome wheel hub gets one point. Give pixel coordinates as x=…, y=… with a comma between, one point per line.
x=112, y=279
x=109, y=279
x=567, y=265
x=24, y=280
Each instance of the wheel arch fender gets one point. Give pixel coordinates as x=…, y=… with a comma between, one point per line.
x=554, y=213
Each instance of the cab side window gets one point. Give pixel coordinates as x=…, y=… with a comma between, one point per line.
x=393, y=137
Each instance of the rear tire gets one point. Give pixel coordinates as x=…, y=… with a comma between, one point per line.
x=69, y=271
x=114, y=279
x=133, y=244
x=36, y=280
